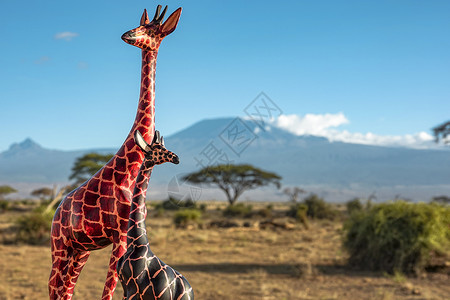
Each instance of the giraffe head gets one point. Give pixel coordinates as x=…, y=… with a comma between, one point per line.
x=156, y=152
x=148, y=35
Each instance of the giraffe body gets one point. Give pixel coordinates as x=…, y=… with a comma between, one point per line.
x=142, y=274
x=96, y=214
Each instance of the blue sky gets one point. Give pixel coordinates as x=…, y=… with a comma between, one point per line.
x=350, y=68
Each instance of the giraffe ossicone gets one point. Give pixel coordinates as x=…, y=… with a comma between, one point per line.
x=96, y=214
x=142, y=274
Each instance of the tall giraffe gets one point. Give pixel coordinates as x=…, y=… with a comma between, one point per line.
x=95, y=214
x=142, y=274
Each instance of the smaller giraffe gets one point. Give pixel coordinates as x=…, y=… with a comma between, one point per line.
x=142, y=274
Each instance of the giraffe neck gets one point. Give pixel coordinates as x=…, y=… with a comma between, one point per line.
x=136, y=224
x=129, y=157
x=145, y=115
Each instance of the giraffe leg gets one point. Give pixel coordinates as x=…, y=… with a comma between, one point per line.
x=76, y=264
x=60, y=262
x=65, y=271
x=111, y=277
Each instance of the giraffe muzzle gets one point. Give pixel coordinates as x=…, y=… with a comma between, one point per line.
x=129, y=37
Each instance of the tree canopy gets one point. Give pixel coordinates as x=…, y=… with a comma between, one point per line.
x=42, y=193
x=293, y=193
x=87, y=165
x=442, y=131
x=6, y=190
x=233, y=179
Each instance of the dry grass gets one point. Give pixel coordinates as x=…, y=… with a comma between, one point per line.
x=235, y=263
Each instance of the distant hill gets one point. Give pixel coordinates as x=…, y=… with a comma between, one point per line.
x=301, y=160
x=28, y=162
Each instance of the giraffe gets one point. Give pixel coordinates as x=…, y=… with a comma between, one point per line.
x=142, y=274
x=95, y=214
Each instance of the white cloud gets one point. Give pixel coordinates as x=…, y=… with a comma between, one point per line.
x=310, y=123
x=66, y=35
x=326, y=125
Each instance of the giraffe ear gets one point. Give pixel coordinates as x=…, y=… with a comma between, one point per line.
x=171, y=23
x=139, y=139
x=144, y=18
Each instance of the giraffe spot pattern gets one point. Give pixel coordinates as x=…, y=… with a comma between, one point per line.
x=96, y=213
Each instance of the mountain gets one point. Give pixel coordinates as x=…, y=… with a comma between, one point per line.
x=28, y=162
x=330, y=168
x=310, y=159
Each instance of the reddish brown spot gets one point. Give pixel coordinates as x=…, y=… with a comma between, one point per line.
x=83, y=238
x=123, y=210
x=78, y=195
x=121, y=164
x=109, y=220
x=146, y=82
x=107, y=204
x=65, y=218
x=55, y=229
x=59, y=243
x=66, y=205
x=93, y=185
x=119, y=178
x=106, y=189
x=90, y=198
x=77, y=221
x=108, y=173
x=123, y=225
x=93, y=229
x=133, y=156
x=65, y=231
x=77, y=205
x=130, y=144
x=91, y=213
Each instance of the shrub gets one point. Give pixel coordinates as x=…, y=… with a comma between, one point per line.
x=318, y=208
x=238, y=210
x=203, y=207
x=398, y=236
x=184, y=217
x=353, y=206
x=266, y=212
x=174, y=204
x=4, y=205
x=298, y=211
x=34, y=228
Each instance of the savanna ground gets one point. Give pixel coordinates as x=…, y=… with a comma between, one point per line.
x=228, y=263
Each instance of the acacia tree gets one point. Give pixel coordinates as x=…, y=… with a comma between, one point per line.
x=293, y=193
x=87, y=165
x=442, y=131
x=6, y=190
x=233, y=179
x=42, y=193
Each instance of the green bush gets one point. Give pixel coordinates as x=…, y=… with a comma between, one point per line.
x=238, y=210
x=318, y=208
x=174, y=204
x=353, y=206
x=298, y=211
x=266, y=212
x=4, y=205
x=398, y=236
x=184, y=217
x=34, y=228
x=203, y=207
